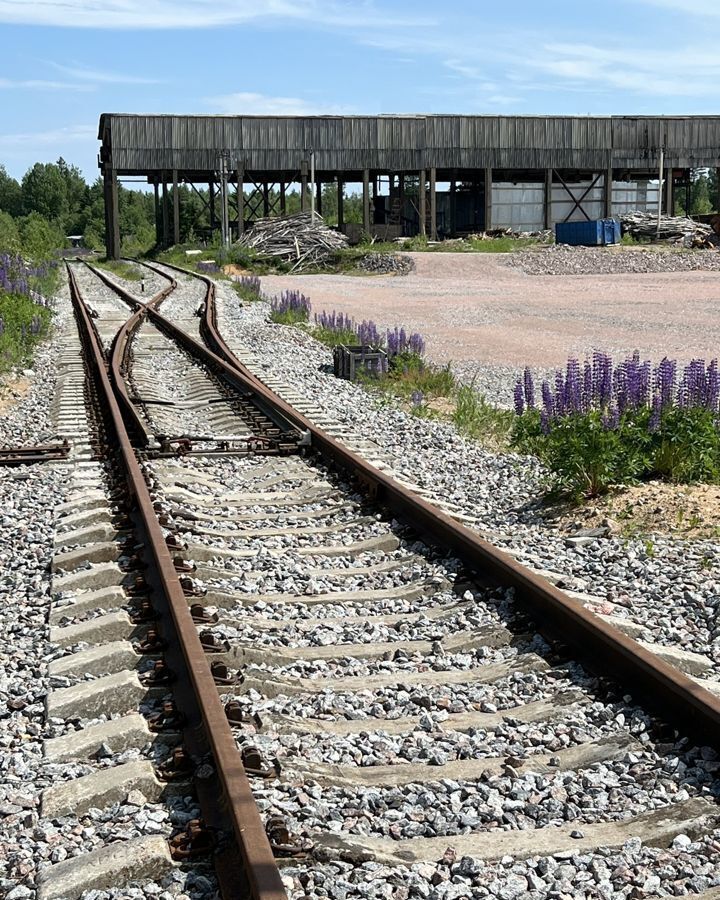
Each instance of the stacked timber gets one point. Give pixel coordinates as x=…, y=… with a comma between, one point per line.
x=296, y=240
x=679, y=229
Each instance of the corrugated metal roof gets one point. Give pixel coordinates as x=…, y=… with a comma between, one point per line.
x=150, y=143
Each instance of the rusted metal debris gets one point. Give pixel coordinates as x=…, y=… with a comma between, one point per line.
x=23, y=456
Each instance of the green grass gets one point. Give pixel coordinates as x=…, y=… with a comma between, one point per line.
x=475, y=418
x=17, y=341
x=120, y=268
x=289, y=317
x=334, y=338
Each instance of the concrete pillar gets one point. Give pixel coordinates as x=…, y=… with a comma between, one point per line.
x=547, y=205
x=366, y=200
x=176, y=208
x=241, y=198
x=422, y=203
x=433, y=204
x=488, y=199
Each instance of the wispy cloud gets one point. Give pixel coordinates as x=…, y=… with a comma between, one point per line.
x=248, y=103
x=95, y=76
x=150, y=14
x=39, y=84
x=42, y=140
x=630, y=69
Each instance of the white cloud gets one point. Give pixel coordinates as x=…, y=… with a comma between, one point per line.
x=43, y=140
x=95, y=76
x=167, y=14
x=247, y=103
x=39, y=84
x=631, y=69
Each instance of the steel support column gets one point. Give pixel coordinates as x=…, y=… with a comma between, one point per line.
x=211, y=195
x=303, y=185
x=176, y=208
x=547, y=205
x=157, y=212
x=422, y=203
x=112, y=215
x=669, y=192
x=340, y=198
x=241, y=197
x=433, y=204
x=488, y=199
x=165, y=211
x=609, y=192
x=366, y=200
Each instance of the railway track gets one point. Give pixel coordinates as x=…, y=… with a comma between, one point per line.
x=364, y=698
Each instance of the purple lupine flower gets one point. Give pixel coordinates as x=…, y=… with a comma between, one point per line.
x=519, y=398
x=290, y=301
x=368, y=334
x=251, y=284
x=654, y=420
x=602, y=378
x=544, y=422
x=547, y=399
x=587, y=388
x=665, y=376
x=610, y=418
x=573, y=403
x=417, y=398
x=713, y=386
x=559, y=393
x=529, y=386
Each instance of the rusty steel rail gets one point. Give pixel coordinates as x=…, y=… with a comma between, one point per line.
x=606, y=649
x=19, y=456
x=211, y=360
x=244, y=863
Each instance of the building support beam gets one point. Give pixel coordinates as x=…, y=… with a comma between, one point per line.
x=211, y=194
x=422, y=203
x=547, y=205
x=165, y=211
x=609, y=192
x=340, y=199
x=112, y=215
x=283, y=204
x=241, y=198
x=433, y=204
x=266, y=199
x=156, y=191
x=303, y=184
x=669, y=192
x=488, y=199
x=318, y=197
x=176, y=208
x=366, y=200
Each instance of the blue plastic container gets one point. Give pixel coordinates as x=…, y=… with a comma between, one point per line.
x=588, y=234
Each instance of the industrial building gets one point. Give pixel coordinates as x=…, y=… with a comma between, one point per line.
x=440, y=175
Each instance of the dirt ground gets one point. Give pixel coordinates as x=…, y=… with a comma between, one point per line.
x=12, y=390
x=479, y=309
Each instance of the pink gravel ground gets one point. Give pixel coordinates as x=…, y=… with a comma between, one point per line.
x=476, y=309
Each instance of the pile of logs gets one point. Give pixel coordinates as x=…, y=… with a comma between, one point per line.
x=294, y=239
x=677, y=229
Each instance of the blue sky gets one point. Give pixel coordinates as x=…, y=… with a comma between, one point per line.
x=66, y=61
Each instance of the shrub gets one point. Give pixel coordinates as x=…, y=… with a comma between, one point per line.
x=476, y=418
x=602, y=424
x=290, y=308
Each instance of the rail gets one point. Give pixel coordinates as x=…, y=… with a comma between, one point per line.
x=245, y=865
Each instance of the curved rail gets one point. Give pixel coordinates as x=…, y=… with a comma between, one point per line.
x=606, y=649
x=245, y=865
